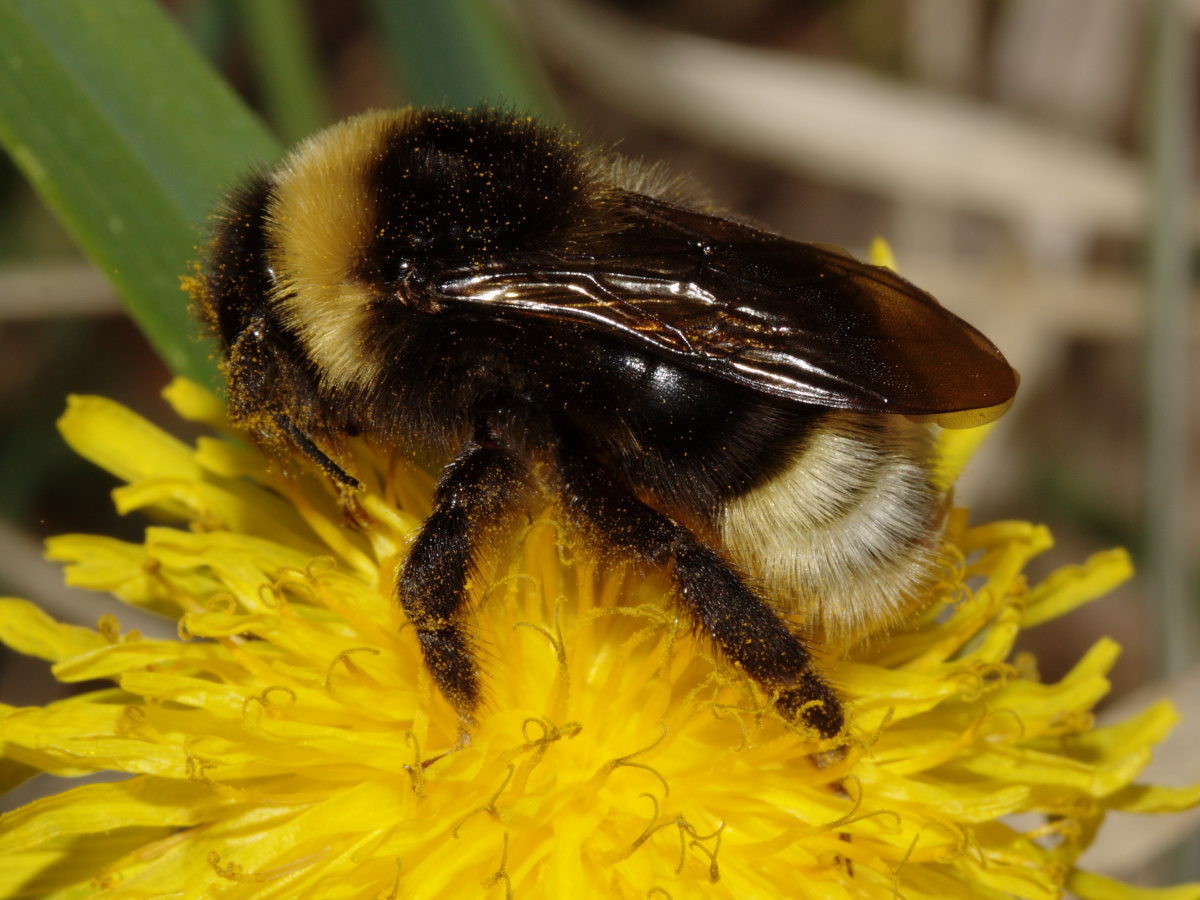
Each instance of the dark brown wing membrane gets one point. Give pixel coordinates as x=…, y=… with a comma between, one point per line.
x=796, y=320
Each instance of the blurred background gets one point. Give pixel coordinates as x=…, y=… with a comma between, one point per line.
x=1030, y=162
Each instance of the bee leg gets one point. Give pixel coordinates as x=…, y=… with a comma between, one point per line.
x=744, y=627
x=316, y=454
x=478, y=493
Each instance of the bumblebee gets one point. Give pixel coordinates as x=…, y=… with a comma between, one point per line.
x=560, y=326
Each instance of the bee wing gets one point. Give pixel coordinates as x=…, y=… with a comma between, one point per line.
x=801, y=321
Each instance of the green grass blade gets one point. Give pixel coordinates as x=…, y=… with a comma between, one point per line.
x=131, y=137
x=285, y=57
x=459, y=52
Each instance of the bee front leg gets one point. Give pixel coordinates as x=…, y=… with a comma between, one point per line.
x=743, y=626
x=324, y=462
x=478, y=494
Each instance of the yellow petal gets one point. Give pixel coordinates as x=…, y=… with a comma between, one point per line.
x=1146, y=799
x=26, y=629
x=954, y=449
x=142, y=800
x=1072, y=586
x=123, y=443
x=195, y=404
x=881, y=253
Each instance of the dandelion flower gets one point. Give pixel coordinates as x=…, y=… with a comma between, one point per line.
x=292, y=745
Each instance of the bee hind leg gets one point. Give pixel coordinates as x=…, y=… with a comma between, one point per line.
x=478, y=494
x=743, y=626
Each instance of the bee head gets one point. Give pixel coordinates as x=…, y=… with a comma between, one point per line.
x=236, y=283
x=267, y=373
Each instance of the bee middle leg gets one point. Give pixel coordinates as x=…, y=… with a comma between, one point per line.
x=744, y=627
x=479, y=493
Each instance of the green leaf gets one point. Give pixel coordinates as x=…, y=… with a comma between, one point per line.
x=132, y=138
x=460, y=52
x=285, y=57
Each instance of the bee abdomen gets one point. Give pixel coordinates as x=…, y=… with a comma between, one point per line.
x=850, y=531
